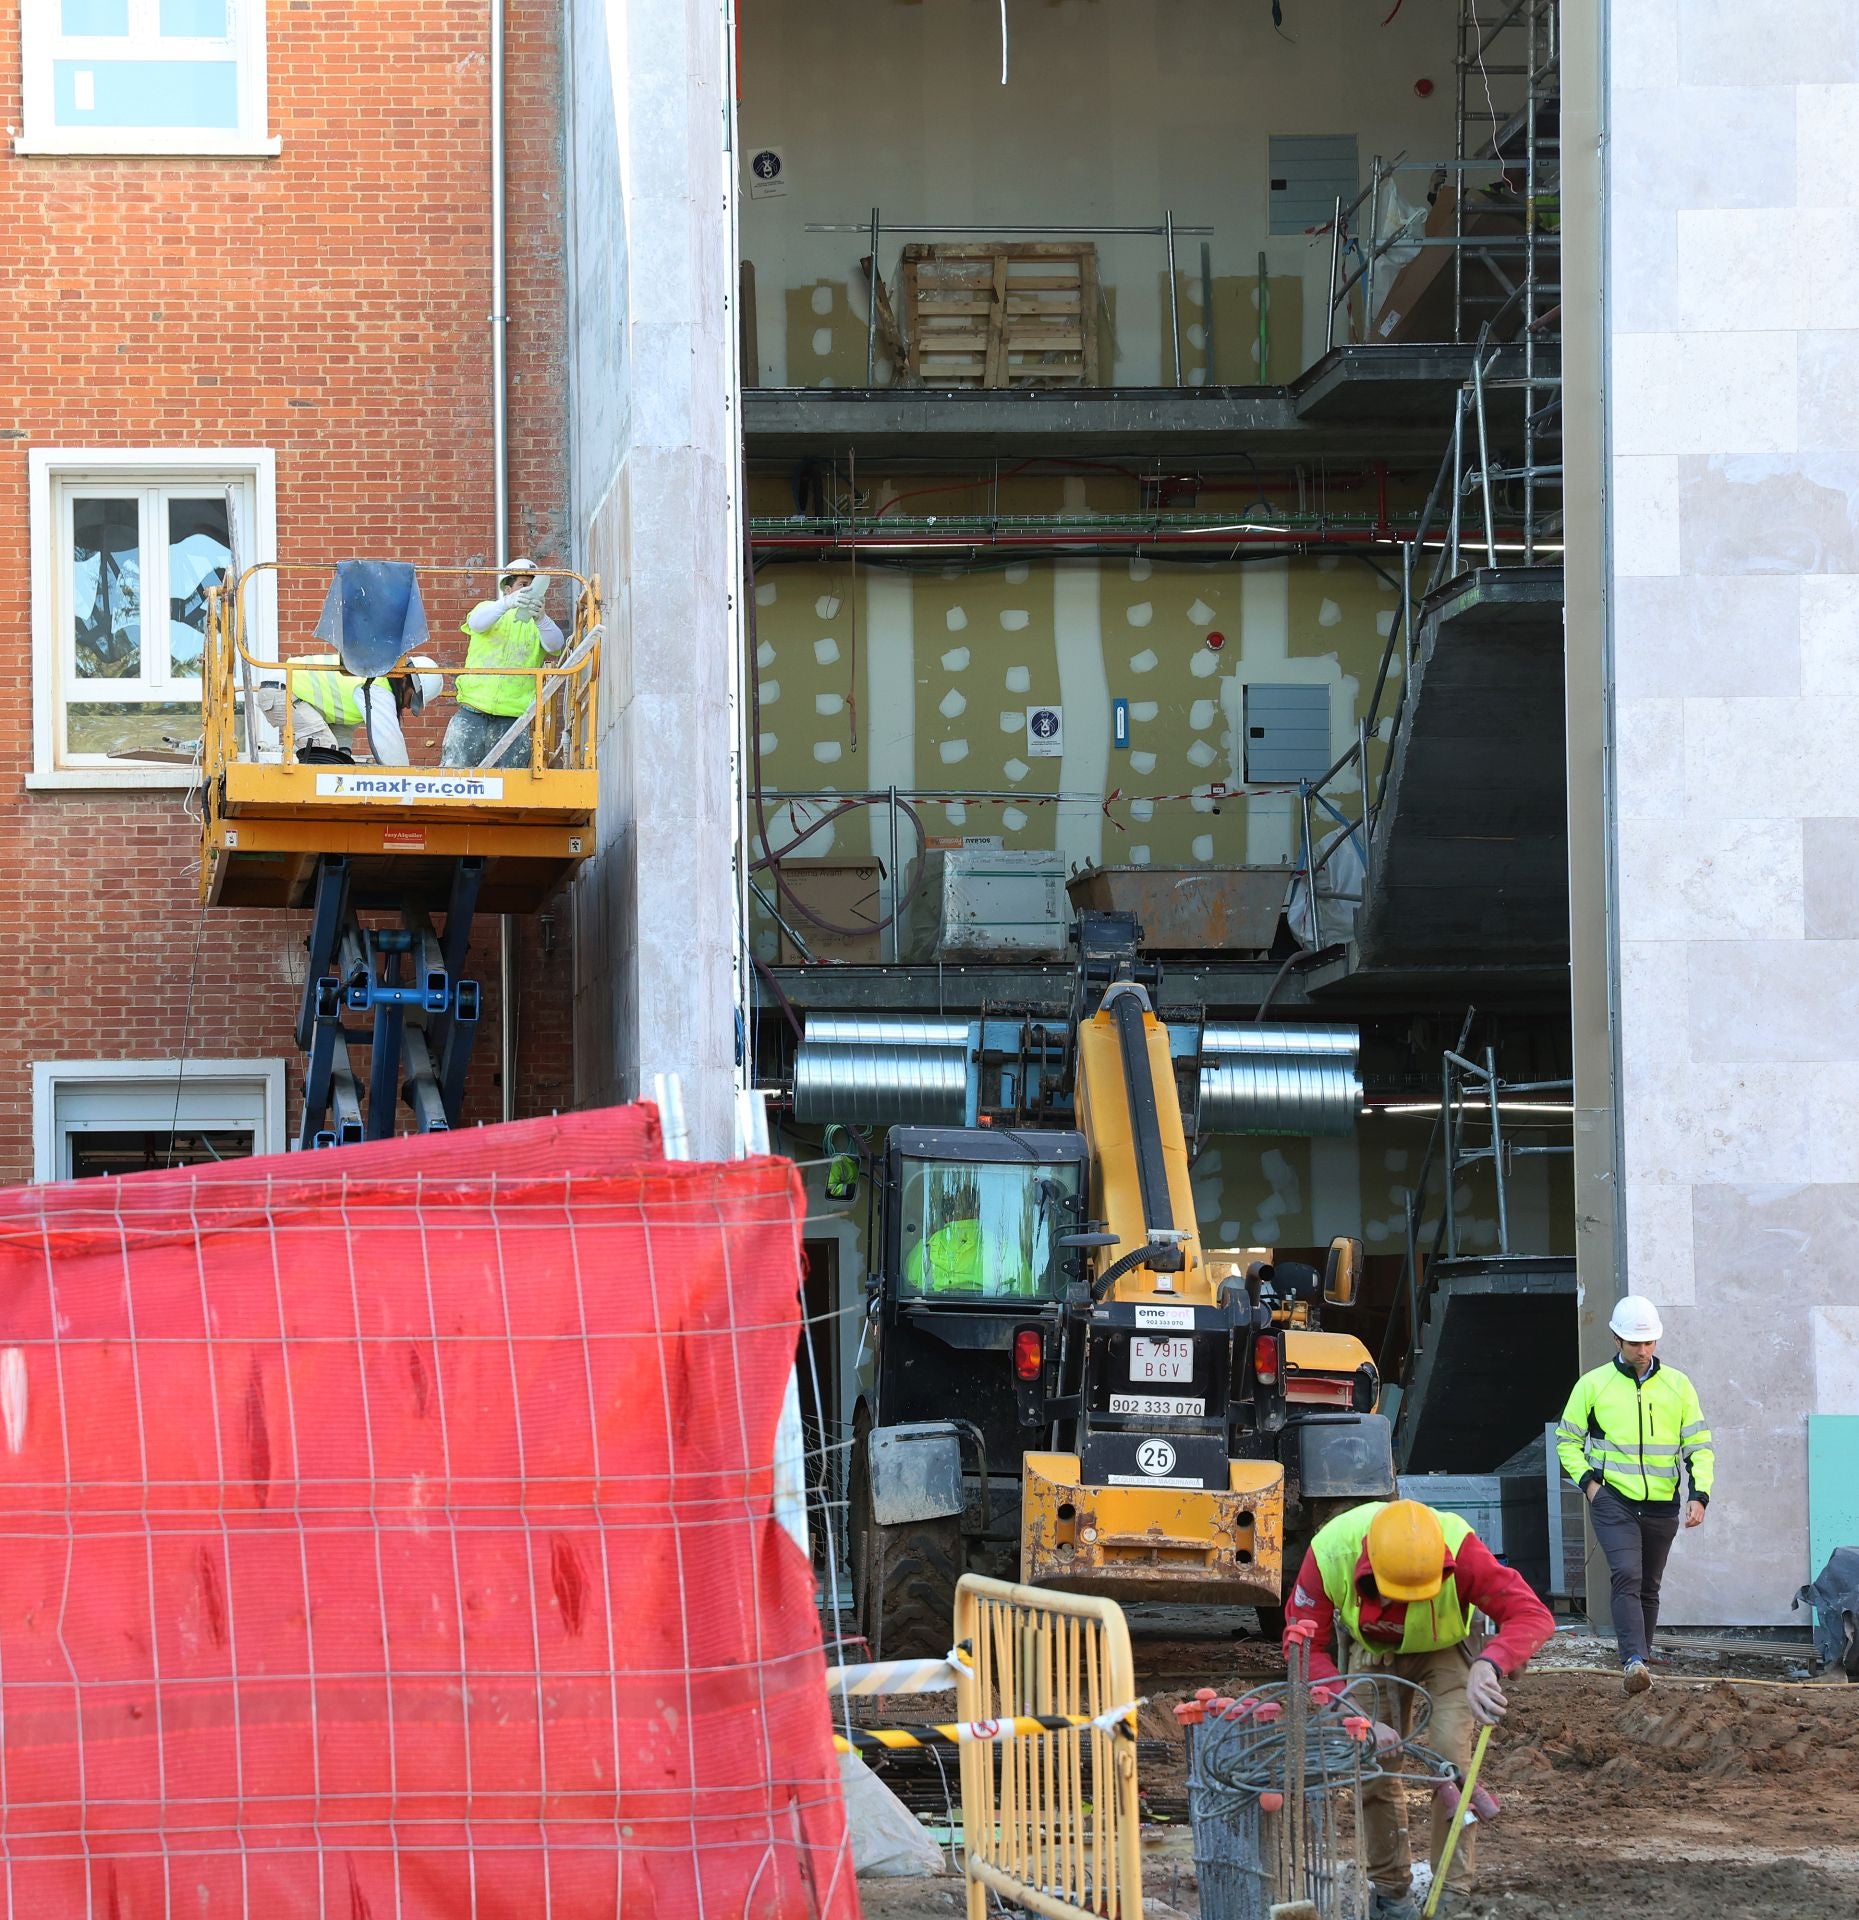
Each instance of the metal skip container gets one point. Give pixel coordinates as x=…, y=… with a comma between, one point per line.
x=1190, y=909
x=1260, y=1078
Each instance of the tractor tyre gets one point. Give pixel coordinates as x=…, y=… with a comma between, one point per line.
x=903, y=1577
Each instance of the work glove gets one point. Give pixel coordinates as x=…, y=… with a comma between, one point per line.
x=529, y=599
x=1484, y=1694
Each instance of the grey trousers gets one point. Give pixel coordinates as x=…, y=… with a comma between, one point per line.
x=470, y=735
x=1637, y=1541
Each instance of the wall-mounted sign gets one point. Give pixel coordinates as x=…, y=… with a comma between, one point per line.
x=1045, y=733
x=767, y=173
x=1119, y=723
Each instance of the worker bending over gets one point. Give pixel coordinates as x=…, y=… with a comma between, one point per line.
x=510, y=631
x=328, y=705
x=1626, y=1427
x=1402, y=1581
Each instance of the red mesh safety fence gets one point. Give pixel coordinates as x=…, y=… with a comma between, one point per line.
x=386, y=1533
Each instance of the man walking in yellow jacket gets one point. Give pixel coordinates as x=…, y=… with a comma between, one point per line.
x=1626, y=1430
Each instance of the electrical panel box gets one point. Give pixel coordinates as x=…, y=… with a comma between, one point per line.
x=1287, y=734
x=1002, y=902
x=1309, y=173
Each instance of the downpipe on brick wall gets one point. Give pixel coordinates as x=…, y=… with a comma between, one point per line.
x=500, y=483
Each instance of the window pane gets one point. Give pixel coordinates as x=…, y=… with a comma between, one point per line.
x=146, y=93
x=984, y=1230
x=193, y=19
x=100, y=17
x=97, y=726
x=136, y=1151
x=106, y=588
x=199, y=551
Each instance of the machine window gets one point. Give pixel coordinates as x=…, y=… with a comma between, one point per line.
x=984, y=1230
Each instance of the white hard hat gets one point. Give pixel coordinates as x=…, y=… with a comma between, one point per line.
x=522, y=564
x=1636, y=1318
x=425, y=685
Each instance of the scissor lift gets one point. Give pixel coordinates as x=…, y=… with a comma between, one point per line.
x=388, y=1015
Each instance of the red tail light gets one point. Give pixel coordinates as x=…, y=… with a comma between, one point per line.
x=1029, y=1353
x=1265, y=1359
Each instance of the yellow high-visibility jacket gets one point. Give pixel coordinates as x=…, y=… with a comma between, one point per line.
x=1632, y=1433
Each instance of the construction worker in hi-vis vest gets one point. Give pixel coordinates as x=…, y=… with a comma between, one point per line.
x=328, y=705
x=510, y=631
x=1628, y=1427
x=1399, y=1582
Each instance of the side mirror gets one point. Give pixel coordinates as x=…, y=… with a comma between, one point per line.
x=1342, y=1272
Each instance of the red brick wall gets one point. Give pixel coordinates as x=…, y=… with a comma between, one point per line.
x=331, y=304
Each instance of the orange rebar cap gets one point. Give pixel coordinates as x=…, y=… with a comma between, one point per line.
x=1407, y=1551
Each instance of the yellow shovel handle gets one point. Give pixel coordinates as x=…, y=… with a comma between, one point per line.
x=1461, y=1814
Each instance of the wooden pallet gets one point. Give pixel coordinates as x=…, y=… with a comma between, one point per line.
x=1004, y=314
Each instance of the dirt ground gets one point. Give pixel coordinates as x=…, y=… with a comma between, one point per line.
x=1719, y=1794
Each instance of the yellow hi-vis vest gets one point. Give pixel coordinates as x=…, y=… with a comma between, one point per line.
x=1443, y=1621
x=512, y=642
x=1634, y=1433
x=334, y=694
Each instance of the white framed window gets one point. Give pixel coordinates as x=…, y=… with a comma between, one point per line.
x=124, y=545
x=144, y=76
x=123, y=1116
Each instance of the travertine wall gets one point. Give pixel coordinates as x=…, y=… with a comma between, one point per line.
x=1733, y=280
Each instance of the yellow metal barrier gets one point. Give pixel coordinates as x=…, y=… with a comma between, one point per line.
x=1050, y=1824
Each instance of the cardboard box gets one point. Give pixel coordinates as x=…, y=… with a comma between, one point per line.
x=1418, y=304
x=849, y=892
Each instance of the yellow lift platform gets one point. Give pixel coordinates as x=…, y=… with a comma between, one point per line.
x=396, y=843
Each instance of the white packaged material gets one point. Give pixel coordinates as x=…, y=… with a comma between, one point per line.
x=996, y=902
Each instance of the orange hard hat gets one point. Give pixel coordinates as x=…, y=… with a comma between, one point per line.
x=1407, y=1551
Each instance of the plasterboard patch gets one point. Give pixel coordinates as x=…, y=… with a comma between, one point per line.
x=827, y=606
x=821, y=299
x=1203, y=848
x=955, y=620
x=822, y=340
x=768, y=692
x=1201, y=754
x=1201, y=614
x=1016, y=574
x=769, y=743
x=1143, y=762
x=1144, y=709
x=1139, y=855
x=1140, y=569
x=1204, y=665
x=1140, y=613
x=1384, y=622
x=1016, y=770
x=1013, y=819
x=1012, y=721
x=1143, y=662
x=1142, y=809
x=829, y=703
x=826, y=650
x=952, y=751
x=956, y=812
x=827, y=751
x=1013, y=619
x=1202, y=799
x=1019, y=679
x=765, y=655
x=953, y=705
x=1329, y=614
x=956, y=660
x=1201, y=714
x=766, y=593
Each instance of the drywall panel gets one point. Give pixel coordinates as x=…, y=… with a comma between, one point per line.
x=1112, y=112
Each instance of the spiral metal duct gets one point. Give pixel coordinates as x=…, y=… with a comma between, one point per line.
x=1280, y=1079
x=863, y=1069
